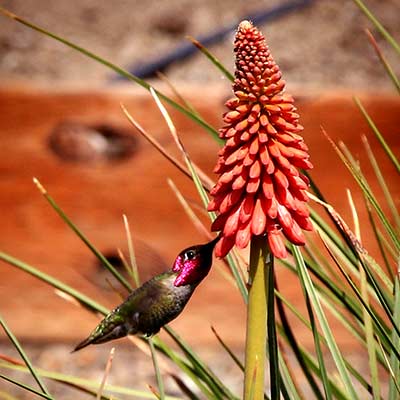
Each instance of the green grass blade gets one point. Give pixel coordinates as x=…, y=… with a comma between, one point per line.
x=272, y=338
x=354, y=170
x=85, y=240
x=214, y=382
x=122, y=72
x=160, y=381
x=185, y=367
x=228, y=350
x=378, y=135
x=331, y=343
x=95, y=307
x=317, y=344
x=394, y=394
x=82, y=299
x=214, y=60
x=312, y=365
x=25, y=387
x=382, y=330
x=200, y=189
x=290, y=392
x=389, y=38
x=380, y=243
x=368, y=325
x=382, y=182
x=24, y=356
x=88, y=385
x=292, y=341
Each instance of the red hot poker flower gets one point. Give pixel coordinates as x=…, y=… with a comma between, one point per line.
x=260, y=190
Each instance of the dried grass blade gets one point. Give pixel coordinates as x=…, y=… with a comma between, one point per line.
x=199, y=187
x=186, y=103
x=389, y=38
x=106, y=374
x=212, y=58
x=160, y=382
x=85, y=240
x=206, y=182
x=368, y=326
x=383, y=60
x=134, y=268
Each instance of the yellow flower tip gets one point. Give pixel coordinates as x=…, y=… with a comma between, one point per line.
x=245, y=25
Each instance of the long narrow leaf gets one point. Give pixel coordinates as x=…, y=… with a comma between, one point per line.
x=378, y=135
x=24, y=356
x=394, y=361
x=389, y=38
x=84, y=300
x=134, y=272
x=213, y=380
x=212, y=58
x=382, y=182
x=290, y=390
x=271, y=329
x=378, y=322
x=85, y=240
x=160, y=381
x=331, y=343
x=317, y=344
x=293, y=343
x=199, y=187
x=78, y=383
x=389, y=70
x=380, y=242
x=367, y=192
x=95, y=307
x=25, y=387
x=368, y=326
x=228, y=350
x=113, y=67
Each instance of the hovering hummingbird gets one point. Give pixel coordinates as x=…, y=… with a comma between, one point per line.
x=158, y=301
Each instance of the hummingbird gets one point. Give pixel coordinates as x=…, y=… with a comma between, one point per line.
x=158, y=301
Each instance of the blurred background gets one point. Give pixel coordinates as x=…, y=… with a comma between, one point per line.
x=60, y=121
x=317, y=43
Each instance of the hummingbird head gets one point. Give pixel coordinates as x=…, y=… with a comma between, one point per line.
x=194, y=263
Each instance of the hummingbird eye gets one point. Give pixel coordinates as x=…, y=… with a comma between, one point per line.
x=190, y=255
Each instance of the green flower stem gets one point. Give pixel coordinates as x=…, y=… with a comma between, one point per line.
x=256, y=335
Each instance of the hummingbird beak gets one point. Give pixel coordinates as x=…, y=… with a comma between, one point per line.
x=213, y=242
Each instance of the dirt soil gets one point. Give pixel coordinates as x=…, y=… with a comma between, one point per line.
x=319, y=46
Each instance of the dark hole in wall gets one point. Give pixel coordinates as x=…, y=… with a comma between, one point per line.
x=77, y=142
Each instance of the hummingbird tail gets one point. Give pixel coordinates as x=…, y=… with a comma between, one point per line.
x=103, y=334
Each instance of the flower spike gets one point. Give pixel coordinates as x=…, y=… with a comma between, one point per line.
x=260, y=190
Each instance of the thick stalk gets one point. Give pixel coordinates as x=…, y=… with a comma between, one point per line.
x=260, y=260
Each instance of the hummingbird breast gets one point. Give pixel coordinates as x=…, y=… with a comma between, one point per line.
x=155, y=304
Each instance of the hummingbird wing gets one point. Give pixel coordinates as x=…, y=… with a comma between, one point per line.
x=141, y=312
